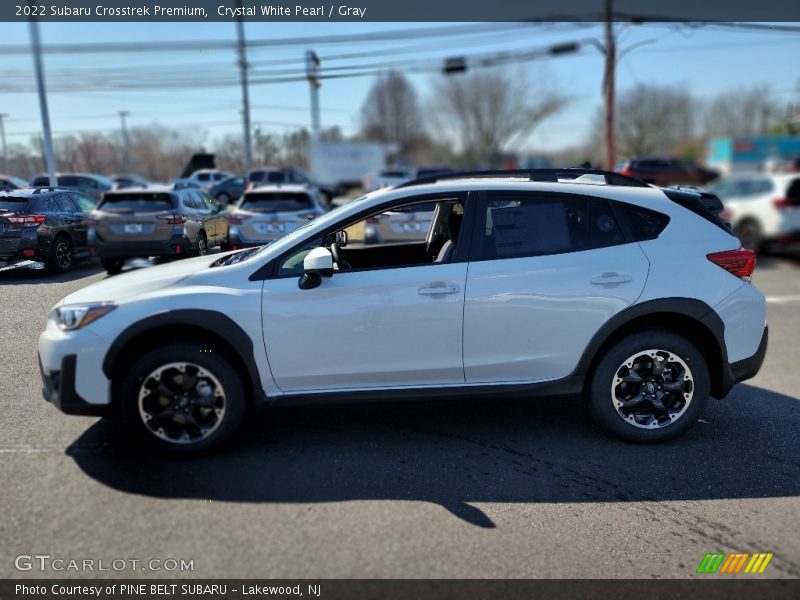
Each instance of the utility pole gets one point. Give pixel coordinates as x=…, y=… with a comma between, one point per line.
x=248, y=142
x=312, y=74
x=608, y=88
x=123, y=114
x=38, y=66
x=6, y=168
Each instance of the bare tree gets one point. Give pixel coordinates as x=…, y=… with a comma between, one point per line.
x=391, y=113
x=743, y=111
x=488, y=112
x=653, y=119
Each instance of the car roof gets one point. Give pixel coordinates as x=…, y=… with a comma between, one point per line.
x=294, y=188
x=166, y=189
x=36, y=190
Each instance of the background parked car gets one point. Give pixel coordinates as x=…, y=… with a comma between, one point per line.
x=290, y=175
x=228, y=190
x=387, y=178
x=666, y=171
x=761, y=207
x=406, y=224
x=46, y=225
x=87, y=183
x=9, y=182
x=266, y=213
x=159, y=221
x=129, y=180
x=203, y=178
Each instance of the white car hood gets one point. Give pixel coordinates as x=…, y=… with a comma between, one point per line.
x=140, y=281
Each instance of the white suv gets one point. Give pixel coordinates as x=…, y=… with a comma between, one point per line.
x=636, y=297
x=761, y=207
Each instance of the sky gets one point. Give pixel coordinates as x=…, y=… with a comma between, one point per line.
x=700, y=60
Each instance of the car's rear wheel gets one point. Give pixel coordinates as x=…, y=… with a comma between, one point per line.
x=202, y=245
x=182, y=398
x=112, y=266
x=649, y=387
x=223, y=198
x=61, y=256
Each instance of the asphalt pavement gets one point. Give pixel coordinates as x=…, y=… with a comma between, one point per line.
x=461, y=488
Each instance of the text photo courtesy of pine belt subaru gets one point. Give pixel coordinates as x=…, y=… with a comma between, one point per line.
x=526, y=283
x=265, y=213
x=157, y=221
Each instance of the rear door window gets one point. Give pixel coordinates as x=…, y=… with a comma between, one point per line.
x=525, y=224
x=137, y=202
x=276, y=202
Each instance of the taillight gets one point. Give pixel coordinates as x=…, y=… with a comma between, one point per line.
x=626, y=171
x=741, y=262
x=781, y=203
x=248, y=186
x=372, y=220
x=176, y=219
x=26, y=220
x=234, y=220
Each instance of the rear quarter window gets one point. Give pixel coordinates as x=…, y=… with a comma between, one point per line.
x=646, y=224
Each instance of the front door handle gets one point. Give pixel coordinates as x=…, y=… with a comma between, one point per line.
x=438, y=290
x=610, y=277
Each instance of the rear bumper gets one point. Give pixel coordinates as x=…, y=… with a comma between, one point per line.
x=58, y=388
x=748, y=367
x=236, y=240
x=175, y=246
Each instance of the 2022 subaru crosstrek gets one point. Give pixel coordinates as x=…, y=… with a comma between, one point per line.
x=543, y=282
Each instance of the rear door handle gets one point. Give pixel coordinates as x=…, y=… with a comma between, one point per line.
x=438, y=290
x=610, y=277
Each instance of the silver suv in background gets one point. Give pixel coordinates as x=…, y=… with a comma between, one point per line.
x=761, y=207
x=158, y=221
x=266, y=213
x=405, y=224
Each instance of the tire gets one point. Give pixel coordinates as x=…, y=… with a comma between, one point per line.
x=613, y=384
x=202, y=245
x=223, y=198
x=112, y=265
x=61, y=257
x=749, y=234
x=167, y=427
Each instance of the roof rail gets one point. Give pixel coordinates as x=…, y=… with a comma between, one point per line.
x=551, y=175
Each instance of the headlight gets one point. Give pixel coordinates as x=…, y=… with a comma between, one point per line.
x=75, y=316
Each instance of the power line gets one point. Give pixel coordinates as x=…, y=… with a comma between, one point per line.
x=206, y=45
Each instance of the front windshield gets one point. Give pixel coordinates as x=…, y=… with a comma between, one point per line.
x=322, y=222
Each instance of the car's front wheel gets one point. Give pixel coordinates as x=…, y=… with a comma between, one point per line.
x=649, y=387
x=184, y=398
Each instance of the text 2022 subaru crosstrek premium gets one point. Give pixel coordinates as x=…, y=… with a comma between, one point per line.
x=551, y=282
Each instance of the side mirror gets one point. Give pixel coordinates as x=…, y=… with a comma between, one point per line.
x=341, y=238
x=317, y=264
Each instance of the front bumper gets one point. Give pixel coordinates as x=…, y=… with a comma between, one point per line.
x=58, y=388
x=70, y=364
